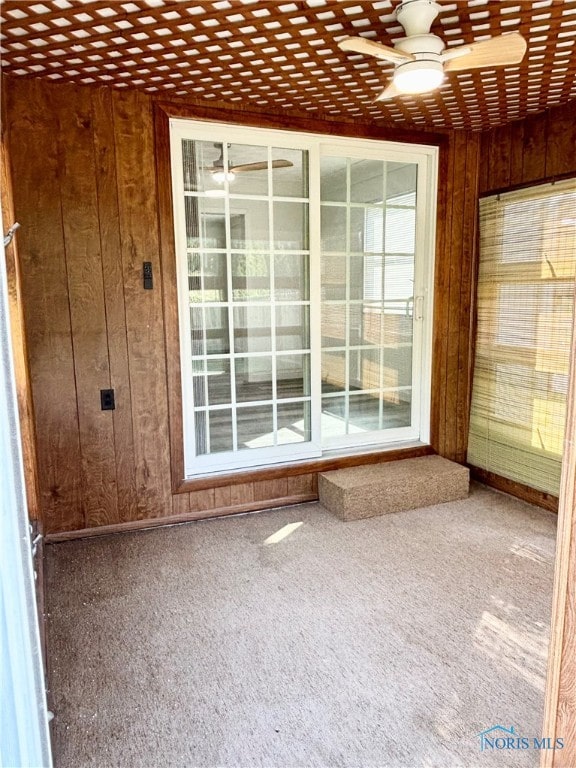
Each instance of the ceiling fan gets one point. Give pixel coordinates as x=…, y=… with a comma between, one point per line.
x=220, y=174
x=421, y=58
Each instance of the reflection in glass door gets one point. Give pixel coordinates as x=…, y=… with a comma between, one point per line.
x=368, y=224
x=245, y=221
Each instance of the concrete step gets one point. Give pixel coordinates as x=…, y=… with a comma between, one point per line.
x=395, y=486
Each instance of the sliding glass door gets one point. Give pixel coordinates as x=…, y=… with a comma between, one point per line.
x=305, y=272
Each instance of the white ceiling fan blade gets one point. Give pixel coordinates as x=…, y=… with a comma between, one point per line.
x=371, y=48
x=261, y=166
x=501, y=51
x=389, y=92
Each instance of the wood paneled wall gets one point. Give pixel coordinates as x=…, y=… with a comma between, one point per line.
x=18, y=337
x=86, y=192
x=540, y=148
x=454, y=293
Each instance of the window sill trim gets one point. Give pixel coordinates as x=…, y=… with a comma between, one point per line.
x=329, y=461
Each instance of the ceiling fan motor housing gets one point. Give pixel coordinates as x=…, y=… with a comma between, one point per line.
x=417, y=16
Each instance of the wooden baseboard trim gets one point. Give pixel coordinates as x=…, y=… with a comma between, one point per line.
x=157, y=522
x=524, y=492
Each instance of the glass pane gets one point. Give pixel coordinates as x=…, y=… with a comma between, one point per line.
x=293, y=423
x=401, y=180
x=333, y=417
x=290, y=226
x=356, y=325
x=357, y=278
x=200, y=433
x=250, y=277
x=364, y=413
x=333, y=277
x=357, y=230
x=249, y=224
x=396, y=411
x=333, y=372
x=252, y=331
x=397, y=328
x=400, y=234
x=198, y=382
x=364, y=369
x=293, y=376
x=292, y=327
x=333, y=179
x=397, y=365
x=369, y=271
x=364, y=325
x=197, y=330
x=290, y=181
x=253, y=378
x=218, y=381
x=399, y=284
x=192, y=222
x=333, y=325
x=373, y=230
x=220, y=430
x=201, y=162
x=217, y=334
x=333, y=228
x=205, y=223
x=255, y=427
x=366, y=181
x=207, y=277
x=291, y=277
x=249, y=164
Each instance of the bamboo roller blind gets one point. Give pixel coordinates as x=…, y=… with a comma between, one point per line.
x=525, y=320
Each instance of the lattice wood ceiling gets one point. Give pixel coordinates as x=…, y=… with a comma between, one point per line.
x=278, y=55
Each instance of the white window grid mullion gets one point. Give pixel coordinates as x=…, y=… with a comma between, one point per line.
x=204, y=412
x=347, y=299
x=230, y=307
x=271, y=235
x=382, y=297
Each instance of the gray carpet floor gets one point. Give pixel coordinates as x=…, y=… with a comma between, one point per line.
x=392, y=641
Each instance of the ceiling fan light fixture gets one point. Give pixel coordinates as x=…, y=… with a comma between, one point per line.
x=221, y=176
x=418, y=76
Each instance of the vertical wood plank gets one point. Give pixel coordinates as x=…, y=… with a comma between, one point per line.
x=453, y=327
x=73, y=107
x=170, y=294
x=109, y=229
x=270, y=489
x=516, y=153
x=467, y=275
x=499, y=156
x=534, y=142
x=561, y=141
x=201, y=501
x=222, y=497
x=441, y=291
x=181, y=504
x=484, y=173
x=243, y=493
x=137, y=205
x=302, y=484
x=19, y=347
x=37, y=205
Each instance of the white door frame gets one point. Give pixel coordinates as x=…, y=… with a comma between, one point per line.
x=24, y=736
